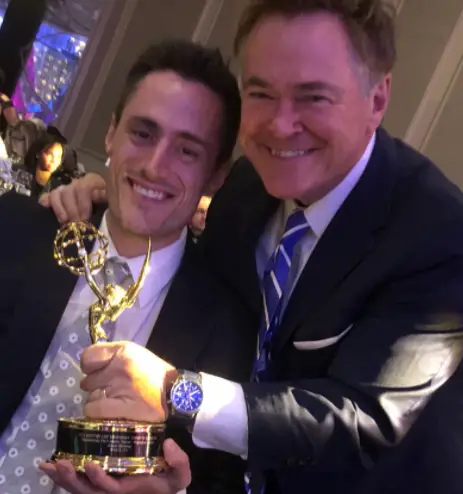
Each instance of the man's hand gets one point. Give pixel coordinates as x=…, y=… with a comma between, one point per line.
x=125, y=380
x=96, y=481
x=74, y=202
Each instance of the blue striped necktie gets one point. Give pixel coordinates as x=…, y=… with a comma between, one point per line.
x=274, y=283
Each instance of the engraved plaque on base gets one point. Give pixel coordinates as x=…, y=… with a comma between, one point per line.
x=122, y=446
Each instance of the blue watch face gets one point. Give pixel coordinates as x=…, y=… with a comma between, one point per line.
x=186, y=396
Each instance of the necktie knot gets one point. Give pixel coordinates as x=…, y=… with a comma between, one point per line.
x=296, y=226
x=296, y=221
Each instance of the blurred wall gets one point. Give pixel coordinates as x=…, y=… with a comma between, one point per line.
x=427, y=97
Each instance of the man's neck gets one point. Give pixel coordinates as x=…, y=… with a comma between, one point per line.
x=130, y=245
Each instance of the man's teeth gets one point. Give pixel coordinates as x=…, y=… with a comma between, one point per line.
x=152, y=194
x=289, y=154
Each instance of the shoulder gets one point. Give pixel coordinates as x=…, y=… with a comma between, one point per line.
x=25, y=221
x=208, y=283
x=236, y=188
x=418, y=176
x=226, y=308
x=424, y=196
x=419, y=239
x=233, y=327
x=240, y=195
x=420, y=201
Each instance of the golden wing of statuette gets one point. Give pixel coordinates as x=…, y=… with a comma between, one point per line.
x=134, y=289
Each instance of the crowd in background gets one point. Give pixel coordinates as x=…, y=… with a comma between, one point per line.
x=35, y=158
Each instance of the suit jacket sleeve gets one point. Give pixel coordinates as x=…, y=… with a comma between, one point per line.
x=429, y=458
x=403, y=346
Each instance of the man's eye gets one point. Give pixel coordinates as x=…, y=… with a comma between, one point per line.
x=141, y=135
x=313, y=98
x=258, y=95
x=190, y=153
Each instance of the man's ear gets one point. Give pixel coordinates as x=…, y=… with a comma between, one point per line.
x=380, y=100
x=110, y=135
x=217, y=178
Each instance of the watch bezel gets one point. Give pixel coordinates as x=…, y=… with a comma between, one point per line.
x=178, y=382
x=177, y=416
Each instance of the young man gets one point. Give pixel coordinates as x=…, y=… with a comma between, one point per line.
x=174, y=127
x=354, y=242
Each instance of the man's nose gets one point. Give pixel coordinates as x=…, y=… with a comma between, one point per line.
x=158, y=162
x=286, y=121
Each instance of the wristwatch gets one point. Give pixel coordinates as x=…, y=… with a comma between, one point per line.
x=184, y=396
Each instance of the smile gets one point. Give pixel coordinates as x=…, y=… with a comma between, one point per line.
x=290, y=153
x=156, y=195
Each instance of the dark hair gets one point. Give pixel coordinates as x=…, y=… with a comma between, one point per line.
x=55, y=132
x=51, y=137
x=195, y=63
x=369, y=25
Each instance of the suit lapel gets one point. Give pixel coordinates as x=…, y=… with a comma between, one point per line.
x=184, y=323
x=346, y=241
x=44, y=293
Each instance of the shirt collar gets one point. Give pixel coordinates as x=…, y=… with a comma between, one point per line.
x=162, y=267
x=320, y=213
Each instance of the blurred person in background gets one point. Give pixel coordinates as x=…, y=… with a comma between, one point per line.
x=198, y=222
x=19, y=139
x=44, y=161
x=8, y=115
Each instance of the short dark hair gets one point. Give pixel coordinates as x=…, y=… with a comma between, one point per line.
x=369, y=25
x=195, y=63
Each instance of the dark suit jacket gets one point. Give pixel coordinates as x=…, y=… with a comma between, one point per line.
x=200, y=326
x=429, y=460
x=388, y=273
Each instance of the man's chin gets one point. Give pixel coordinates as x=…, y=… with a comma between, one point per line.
x=283, y=191
x=136, y=229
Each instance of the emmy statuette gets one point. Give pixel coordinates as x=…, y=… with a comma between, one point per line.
x=120, y=447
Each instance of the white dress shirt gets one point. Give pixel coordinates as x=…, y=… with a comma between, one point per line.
x=222, y=422
x=134, y=324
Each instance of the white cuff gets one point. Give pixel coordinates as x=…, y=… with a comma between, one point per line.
x=222, y=422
